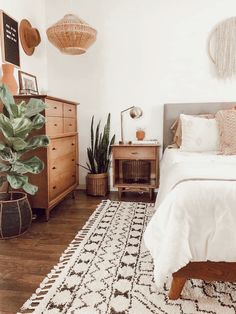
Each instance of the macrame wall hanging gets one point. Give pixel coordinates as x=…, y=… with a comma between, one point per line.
x=222, y=48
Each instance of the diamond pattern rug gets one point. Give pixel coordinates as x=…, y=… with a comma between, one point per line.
x=107, y=269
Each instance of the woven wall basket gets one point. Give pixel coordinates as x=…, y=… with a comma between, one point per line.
x=71, y=35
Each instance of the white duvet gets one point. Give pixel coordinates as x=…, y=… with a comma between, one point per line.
x=195, y=218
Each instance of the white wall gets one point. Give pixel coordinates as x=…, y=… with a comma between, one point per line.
x=34, y=11
x=147, y=53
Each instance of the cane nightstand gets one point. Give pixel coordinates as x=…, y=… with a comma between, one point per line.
x=135, y=167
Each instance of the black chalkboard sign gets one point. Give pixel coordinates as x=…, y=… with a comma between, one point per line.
x=10, y=40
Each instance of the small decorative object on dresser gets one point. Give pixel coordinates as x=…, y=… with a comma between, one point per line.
x=136, y=167
x=16, y=123
x=8, y=77
x=135, y=113
x=140, y=134
x=59, y=177
x=99, y=160
x=27, y=84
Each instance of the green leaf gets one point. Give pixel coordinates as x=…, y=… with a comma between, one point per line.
x=2, y=180
x=7, y=99
x=22, y=127
x=38, y=121
x=4, y=167
x=34, y=107
x=22, y=107
x=8, y=155
x=17, y=181
x=30, y=188
x=6, y=126
x=17, y=143
x=36, y=142
x=32, y=165
x=2, y=146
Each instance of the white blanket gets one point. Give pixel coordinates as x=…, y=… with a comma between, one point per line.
x=196, y=212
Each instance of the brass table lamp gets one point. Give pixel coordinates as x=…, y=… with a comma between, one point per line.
x=135, y=113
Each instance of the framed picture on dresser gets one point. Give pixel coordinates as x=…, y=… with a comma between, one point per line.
x=27, y=84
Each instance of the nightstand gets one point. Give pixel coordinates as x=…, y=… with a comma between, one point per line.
x=135, y=167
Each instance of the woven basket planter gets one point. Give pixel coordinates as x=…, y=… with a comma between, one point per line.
x=71, y=35
x=16, y=214
x=97, y=184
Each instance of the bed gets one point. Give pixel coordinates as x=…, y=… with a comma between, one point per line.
x=193, y=232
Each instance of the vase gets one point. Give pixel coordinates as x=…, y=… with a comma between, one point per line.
x=140, y=134
x=8, y=77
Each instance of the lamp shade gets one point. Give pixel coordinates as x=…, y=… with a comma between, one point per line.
x=136, y=112
x=71, y=35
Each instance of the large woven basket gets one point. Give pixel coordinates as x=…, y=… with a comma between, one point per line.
x=71, y=35
x=97, y=184
x=16, y=214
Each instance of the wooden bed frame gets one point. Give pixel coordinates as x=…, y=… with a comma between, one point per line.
x=210, y=271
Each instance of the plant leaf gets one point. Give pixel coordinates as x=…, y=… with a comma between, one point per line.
x=17, y=181
x=34, y=107
x=17, y=143
x=36, y=142
x=38, y=121
x=32, y=165
x=6, y=126
x=22, y=127
x=30, y=188
x=7, y=99
x=4, y=167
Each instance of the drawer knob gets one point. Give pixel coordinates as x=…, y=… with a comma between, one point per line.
x=55, y=108
x=54, y=168
x=134, y=153
x=54, y=148
x=72, y=159
x=73, y=175
x=70, y=109
x=54, y=187
x=70, y=124
x=55, y=124
x=73, y=144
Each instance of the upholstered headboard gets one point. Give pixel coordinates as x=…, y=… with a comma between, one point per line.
x=172, y=112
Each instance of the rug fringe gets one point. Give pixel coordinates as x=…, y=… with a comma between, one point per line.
x=35, y=303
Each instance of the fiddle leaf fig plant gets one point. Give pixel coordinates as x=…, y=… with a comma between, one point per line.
x=16, y=124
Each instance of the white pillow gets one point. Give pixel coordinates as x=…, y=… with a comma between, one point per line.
x=199, y=134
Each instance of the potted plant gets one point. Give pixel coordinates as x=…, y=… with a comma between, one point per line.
x=99, y=159
x=16, y=124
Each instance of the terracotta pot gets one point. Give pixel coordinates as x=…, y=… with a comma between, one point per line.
x=16, y=214
x=97, y=184
x=140, y=134
x=8, y=77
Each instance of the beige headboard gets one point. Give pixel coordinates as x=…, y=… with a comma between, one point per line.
x=172, y=112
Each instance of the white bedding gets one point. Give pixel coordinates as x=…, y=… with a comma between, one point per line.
x=195, y=218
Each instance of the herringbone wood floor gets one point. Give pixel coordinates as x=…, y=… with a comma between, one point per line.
x=26, y=260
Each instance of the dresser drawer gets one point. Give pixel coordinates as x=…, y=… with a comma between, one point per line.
x=69, y=111
x=61, y=182
x=55, y=108
x=58, y=147
x=58, y=165
x=134, y=152
x=69, y=125
x=54, y=126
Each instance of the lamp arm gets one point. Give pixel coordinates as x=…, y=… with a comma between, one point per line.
x=127, y=109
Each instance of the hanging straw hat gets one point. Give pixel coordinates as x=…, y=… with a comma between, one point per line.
x=29, y=37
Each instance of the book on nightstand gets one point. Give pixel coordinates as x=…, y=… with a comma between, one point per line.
x=145, y=142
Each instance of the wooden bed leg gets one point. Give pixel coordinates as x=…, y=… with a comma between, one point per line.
x=176, y=287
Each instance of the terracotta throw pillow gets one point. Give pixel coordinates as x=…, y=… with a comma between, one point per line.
x=176, y=128
x=227, y=126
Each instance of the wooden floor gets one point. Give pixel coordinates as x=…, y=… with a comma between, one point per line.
x=26, y=260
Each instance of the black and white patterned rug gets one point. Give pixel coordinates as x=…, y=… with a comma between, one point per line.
x=107, y=269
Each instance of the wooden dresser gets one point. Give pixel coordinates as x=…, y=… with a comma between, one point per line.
x=59, y=177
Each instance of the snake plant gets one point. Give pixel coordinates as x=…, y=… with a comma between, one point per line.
x=16, y=124
x=100, y=151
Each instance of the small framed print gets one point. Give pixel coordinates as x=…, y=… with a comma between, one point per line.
x=9, y=39
x=27, y=84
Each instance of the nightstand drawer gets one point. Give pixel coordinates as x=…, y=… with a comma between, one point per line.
x=54, y=108
x=134, y=152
